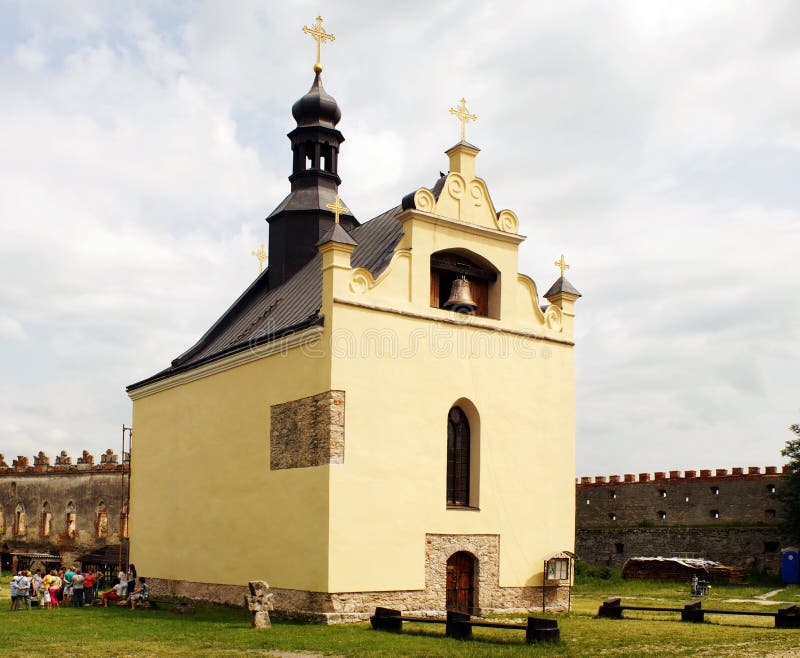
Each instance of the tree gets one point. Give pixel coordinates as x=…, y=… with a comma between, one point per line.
x=789, y=491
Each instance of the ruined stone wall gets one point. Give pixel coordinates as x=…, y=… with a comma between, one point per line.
x=307, y=432
x=729, y=517
x=91, y=492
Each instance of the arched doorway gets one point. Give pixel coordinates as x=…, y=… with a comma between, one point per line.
x=461, y=582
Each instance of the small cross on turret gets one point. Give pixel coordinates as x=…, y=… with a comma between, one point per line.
x=319, y=35
x=337, y=208
x=261, y=255
x=463, y=116
x=561, y=264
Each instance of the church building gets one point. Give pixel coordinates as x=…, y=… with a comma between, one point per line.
x=384, y=417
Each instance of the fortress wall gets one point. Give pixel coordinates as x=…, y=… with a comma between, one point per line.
x=741, y=497
x=758, y=548
x=727, y=516
x=91, y=492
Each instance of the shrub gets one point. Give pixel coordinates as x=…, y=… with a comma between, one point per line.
x=584, y=571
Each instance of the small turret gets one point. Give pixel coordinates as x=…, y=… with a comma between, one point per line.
x=303, y=217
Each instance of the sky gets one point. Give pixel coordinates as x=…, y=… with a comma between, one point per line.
x=656, y=145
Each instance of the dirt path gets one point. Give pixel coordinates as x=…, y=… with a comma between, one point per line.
x=762, y=599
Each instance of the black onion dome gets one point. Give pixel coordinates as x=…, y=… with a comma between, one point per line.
x=317, y=107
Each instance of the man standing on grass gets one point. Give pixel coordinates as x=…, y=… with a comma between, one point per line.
x=24, y=587
x=36, y=586
x=66, y=594
x=77, y=589
x=88, y=587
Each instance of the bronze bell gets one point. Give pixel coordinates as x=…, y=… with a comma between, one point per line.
x=460, y=299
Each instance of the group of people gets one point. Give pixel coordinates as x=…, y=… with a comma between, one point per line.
x=71, y=586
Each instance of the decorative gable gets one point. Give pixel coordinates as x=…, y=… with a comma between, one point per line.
x=463, y=196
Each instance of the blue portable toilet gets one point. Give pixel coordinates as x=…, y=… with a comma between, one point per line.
x=790, y=565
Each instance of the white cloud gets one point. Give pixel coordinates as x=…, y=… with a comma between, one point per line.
x=11, y=329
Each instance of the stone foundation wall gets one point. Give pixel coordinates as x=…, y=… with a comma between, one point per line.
x=344, y=607
x=307, y=432
x=340, y=607
x=208, y=593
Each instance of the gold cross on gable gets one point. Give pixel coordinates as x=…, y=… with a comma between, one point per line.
x=261, y=254
x=319, y=35
x=337, y=208
x=561, y=264
x=463, y=116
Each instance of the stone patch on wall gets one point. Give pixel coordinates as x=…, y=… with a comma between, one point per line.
x=307, y=432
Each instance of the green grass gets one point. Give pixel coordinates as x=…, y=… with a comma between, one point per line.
x=223, y=632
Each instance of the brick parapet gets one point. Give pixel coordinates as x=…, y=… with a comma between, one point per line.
x=42, y=465
x=744, y=498
x=737, y=473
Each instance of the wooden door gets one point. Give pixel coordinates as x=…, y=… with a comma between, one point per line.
x=461, y=582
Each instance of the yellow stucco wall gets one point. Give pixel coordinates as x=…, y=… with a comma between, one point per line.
x=204, y=505
x=390, y=490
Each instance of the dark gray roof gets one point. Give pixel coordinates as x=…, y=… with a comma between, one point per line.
x=260, y=315
x=339, y=234
x=561, y=285
x=315, y=197
x=436, y=190
x=463, y=143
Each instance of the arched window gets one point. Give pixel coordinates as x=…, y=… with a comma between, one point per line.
x=20, y=527
x=123, y=522
x=72, y=525
x=101, y=521
x=45, y=520
x=458, y=458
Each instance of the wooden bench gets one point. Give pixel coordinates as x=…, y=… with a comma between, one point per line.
x=786, y=617
x=459, y=625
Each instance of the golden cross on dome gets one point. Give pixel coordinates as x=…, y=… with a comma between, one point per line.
x=319, y=35
x=261, y=254
x=562, y=265
x=463, y=116
x=337, y=208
